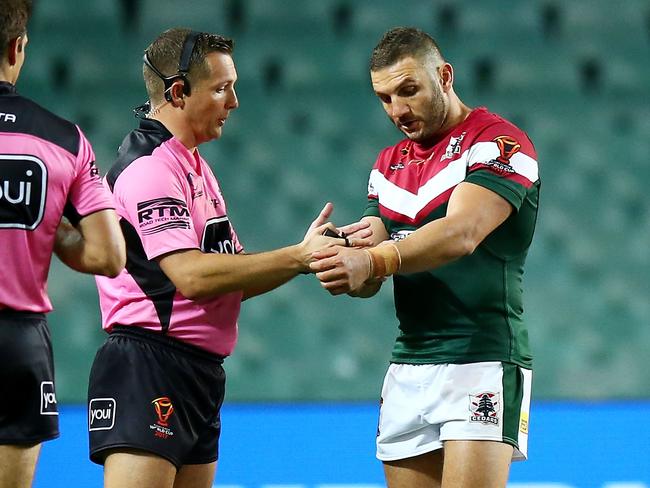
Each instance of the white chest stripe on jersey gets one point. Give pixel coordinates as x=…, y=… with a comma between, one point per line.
x=406, y=203
x=409, y=204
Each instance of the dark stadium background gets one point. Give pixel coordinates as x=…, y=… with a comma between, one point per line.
x=575, y=75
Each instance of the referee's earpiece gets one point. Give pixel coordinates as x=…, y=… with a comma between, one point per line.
x=183, y=68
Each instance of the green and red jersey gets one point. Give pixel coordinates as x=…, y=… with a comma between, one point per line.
x=470, y=310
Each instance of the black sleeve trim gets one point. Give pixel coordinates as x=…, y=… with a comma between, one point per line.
x=70, y=213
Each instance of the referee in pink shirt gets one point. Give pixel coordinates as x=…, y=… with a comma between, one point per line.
x=47, y=170
x=157, y=383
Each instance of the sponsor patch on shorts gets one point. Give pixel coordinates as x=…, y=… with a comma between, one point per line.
x=101, y=413
x=163, y=409
x=484, y=407
x=48, y=399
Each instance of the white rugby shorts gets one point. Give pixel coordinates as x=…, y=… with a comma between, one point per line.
x=424, y=405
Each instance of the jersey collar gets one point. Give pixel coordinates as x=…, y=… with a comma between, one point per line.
x=152, y=125
x=7, y=88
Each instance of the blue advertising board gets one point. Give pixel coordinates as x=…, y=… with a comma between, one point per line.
x=572, y=445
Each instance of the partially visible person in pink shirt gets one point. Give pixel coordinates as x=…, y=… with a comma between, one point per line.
x=47, y=172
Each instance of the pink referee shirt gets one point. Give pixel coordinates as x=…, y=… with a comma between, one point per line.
x=168, y=201
x=47, y=169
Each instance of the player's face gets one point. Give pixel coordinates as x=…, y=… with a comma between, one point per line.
x=212, y=98
x=412, y=95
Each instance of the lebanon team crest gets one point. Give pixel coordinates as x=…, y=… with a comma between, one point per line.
x=485, y=408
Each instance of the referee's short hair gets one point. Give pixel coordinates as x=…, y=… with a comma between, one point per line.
x=165, y=53
x=14, y=15
x=402, y=42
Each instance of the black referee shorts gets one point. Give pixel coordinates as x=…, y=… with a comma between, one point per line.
x=28, y=409
x=153, y=393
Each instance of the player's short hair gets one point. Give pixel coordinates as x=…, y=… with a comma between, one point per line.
x=401, y=42
x=14, y=15
x=165, y=54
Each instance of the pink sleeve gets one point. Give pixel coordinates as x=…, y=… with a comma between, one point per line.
x=87, y=194
x=154, y=199
x=235, y=240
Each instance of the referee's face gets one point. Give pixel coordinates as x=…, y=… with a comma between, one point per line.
x=212, y=98
x=412, y=96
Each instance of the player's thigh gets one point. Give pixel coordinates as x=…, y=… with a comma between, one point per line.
x=137, y=469
x=476, y=464
x=17, y=464
x=423, y=471
x=195, y=475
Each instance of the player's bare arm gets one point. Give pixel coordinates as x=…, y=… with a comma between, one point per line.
x=95, y=246
x=472, y=214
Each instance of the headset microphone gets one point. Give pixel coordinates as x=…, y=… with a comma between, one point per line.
x=183, y=66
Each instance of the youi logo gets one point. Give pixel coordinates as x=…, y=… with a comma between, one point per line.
x=101, y=413
x=23, y=186
x=48, y=399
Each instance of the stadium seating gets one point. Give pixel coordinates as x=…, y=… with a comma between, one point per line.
x=575, y=75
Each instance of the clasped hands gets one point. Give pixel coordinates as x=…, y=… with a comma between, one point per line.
x=340, y=268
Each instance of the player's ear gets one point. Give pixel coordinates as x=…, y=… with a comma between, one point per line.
x=176, y=93
x=446, y=76
x=15, y=47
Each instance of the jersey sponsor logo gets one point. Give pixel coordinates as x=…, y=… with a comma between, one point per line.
x=400, y=234
x=484, y=408
x=23, y=187
x=161, y=214
x=163, y=408
x=7, y=117
x=508, y=147
x=453, y=148
x=194, y=186
x=101, y=413
x=499, y=167
x=93, y=170
x=217, y=236
x=48, y=399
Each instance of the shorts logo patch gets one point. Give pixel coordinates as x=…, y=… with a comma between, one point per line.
x=101, y=413
x=523, y=423
x=48, y=399
x=164, y=409
x=484, y=408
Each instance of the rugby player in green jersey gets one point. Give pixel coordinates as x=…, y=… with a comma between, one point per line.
x=453, y=208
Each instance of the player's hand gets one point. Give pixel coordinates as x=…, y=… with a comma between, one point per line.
x=323, y=217
x=358, y=233
x=315, y=241
x=340, y=269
